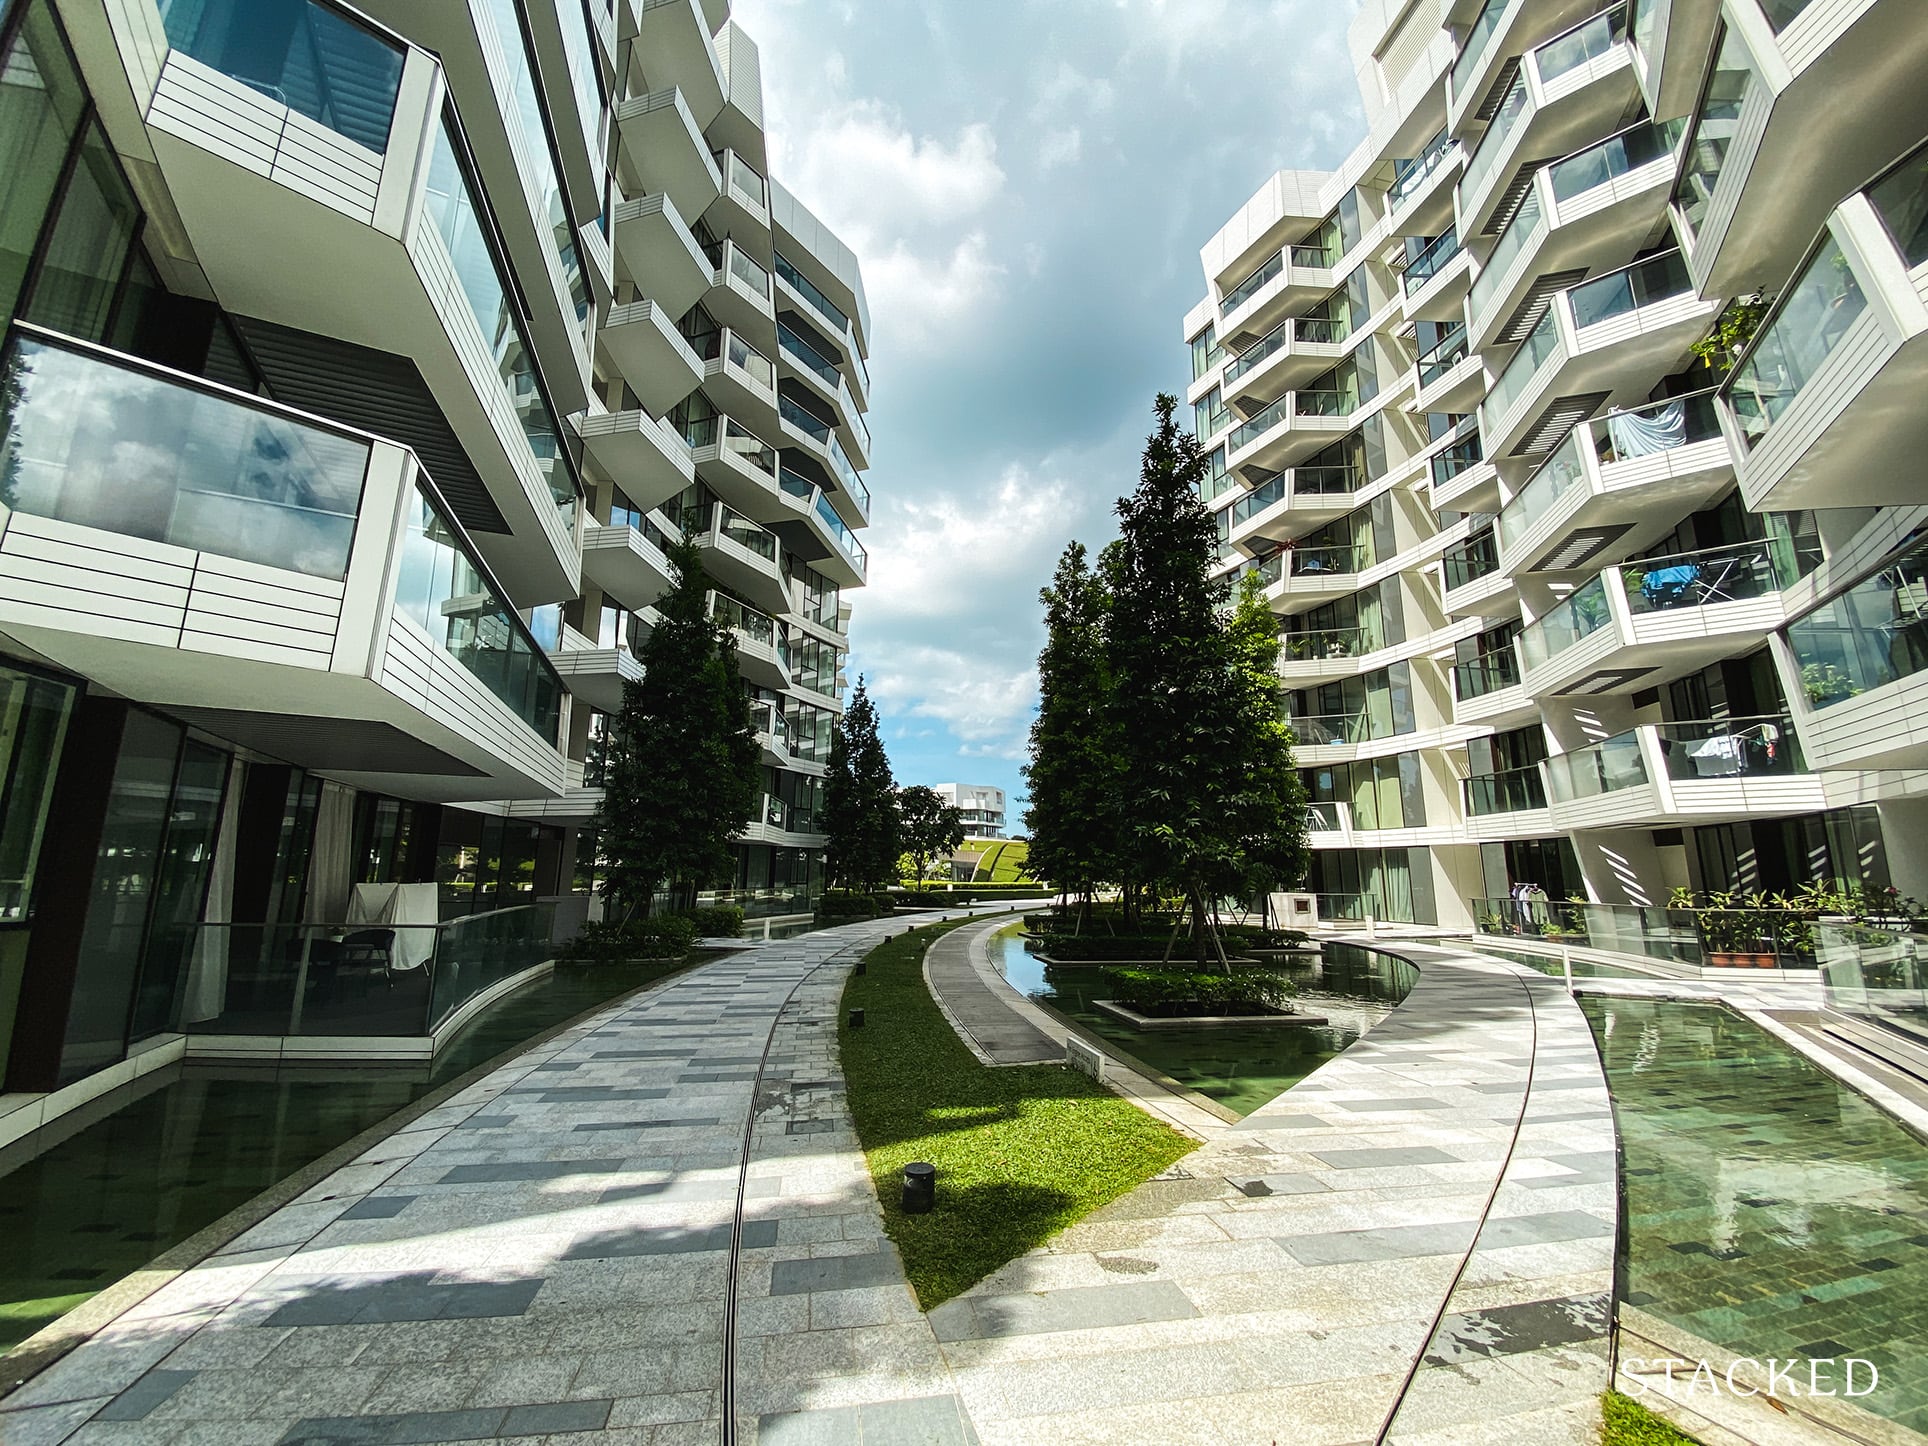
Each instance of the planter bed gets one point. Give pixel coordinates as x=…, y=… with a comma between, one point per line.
x=1234, y=959
x=1186, y=1021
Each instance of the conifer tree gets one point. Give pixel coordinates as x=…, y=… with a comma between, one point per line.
x=1076, y=753
x=860, y=802
x=680, y=772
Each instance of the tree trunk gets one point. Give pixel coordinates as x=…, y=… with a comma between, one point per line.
x=1197, y=898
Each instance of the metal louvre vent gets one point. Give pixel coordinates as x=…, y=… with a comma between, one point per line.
x=1556, y=421
x=1496, y=92
x=1519, y=326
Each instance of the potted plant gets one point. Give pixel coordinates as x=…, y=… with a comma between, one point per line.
x=1733, y=930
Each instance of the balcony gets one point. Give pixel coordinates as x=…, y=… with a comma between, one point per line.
x=740, y=379
x=663, y=152
x=1462, y=478
x=334, y=165
x=799, y=289
x=804, y=429
x=740, y=295
x=629, y=563
x=673, y=42
x=1566, y=92
x=1615, y=335
x=207, y=552
x=1600, y=203
x=1289, y=280
x=1858, y=666
x=737, y=464
x=1645, y=622
x=1310, y=574
x=654, y=358
x=1507, y=804
x=756, y=641
x=813, y=531
x=1499, y=31
x=1824, y=408
x=1487, y=690
x=1801, y=102
x=744, y=557
x=743, y=208
x=657, y=249
x=1450, y=377
x=1704, y=771
x=1289, y=430
x=595, y=675
x=823, y=375
x=646, y=453
x=1472, y=581
x=1434, y=282
x=1298, y=350
x=1420, y=199
x=1616, y=485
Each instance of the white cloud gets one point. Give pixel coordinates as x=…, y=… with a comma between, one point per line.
x=987, y=709
x=927, y=294
x=867, y=172
x=1060, y=148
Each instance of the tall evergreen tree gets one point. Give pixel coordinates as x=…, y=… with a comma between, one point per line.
x=1077, y=755
x=860, y=802
x=929, y=826
x=1185, y=694
x=1271, y=817
x=680, y=768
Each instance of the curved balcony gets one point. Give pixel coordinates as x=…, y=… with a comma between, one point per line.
x=1487, y=690
x=1703, y=771
x=1824, y=407
x=1616, y=485
x=1450, y=377
x=1616, y=334
x=1601, y=202
x=756, y=641
x=741, y=380
x=1298, y=350
x=1508, y=804
x=737, y=464
x=822, y=374
x=233, y=553
x=740, y=295
x=1310, y=575
x=677, y=53
x=813, y=531
x=1471, y=581
x=1648, y=621
x=1801, y=101
x=594, y=674
x=1566, y=91
x=1462, y=477
x=1290, y=280
x=652, y=460
x=795, y=287
x=1420, y=200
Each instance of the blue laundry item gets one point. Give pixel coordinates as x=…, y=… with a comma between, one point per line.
x=1669, y=582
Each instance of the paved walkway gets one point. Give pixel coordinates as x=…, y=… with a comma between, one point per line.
x=1423, y=1226
x=551, y=1253
x=582, y=1247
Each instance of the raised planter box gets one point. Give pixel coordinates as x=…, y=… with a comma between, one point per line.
x=1147, y=1021
x=1138, y=963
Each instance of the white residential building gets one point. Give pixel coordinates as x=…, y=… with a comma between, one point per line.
x=360, y=358
x=1562, y=603
x=981, y=805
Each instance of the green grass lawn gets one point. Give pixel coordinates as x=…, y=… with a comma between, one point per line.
x=1021, y=1151
x=1001, y=861
x=1625, y=1422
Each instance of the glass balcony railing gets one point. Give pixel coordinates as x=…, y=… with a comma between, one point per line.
x=847, y=474
x=745, y=268
x=845, y=538
x=1477, y=37
x=310, y=57
x=1589, y=40
x=1267, y=494
x=1900, y=198
x=1461, y=456
x=1715, y=575
x=748, y=447
x=445, y=592
x=1523, y=366
x=1413, y=174
x=1306, y=257
x=1521, y=231
x=1609, y=766
x=1807, y=325
x=1439, y=252
x=1619, y=292
x=1562, y=472
x=1499, y=134
x=1321, y=730
x=1602, y=161
x=1488, y=673
x=1782, y=13
x=1337, y=479
x=745, y=533
x=804, y=420
x=1341, y=559
x=808, y=290
x=807, y=356
x=1315, y=643
x=1329, y=330
x=743, y=179
x=103, y=441
x=743, y=618
x=1874, y=634
x=1513, y=790
x=1759, y=747
x=1260, y=422
x=1448, y=352
x=747, y=357
x=1472, y=560
x=1268, y=569
x=1566, y=623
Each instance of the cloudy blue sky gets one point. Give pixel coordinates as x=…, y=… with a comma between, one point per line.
x=1027, y=187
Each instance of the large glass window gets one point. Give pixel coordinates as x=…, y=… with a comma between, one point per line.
x=1901, y=198
x=87, y=249
x=441, y=588
x=1210, y=416
x=41, y=105
x=1206, y=353
x=1808, y=324
x=101, y=445
x=1718, y=118
x=33, y=721
x=311, y=58
x=452, y=209
x=584, y=78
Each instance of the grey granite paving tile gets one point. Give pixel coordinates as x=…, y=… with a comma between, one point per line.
x=1512, y=1329
x=1389, y=1104
x=1384, y=1157
x=487, y=1122
x=581, y=1095
x=617, y=1244
x=134, y=1403
x=407, y=1428
x=510, y=1171
x=1503, y=1231
x=405, y=1298
x=1078, y=1308
x=1262, y=1185
x=1263, y=1121
x=378, y=1207
x=809, y=1127
x=691, y=1122
x=1392, y=1242
x=921, y=1421
x=555, y=1417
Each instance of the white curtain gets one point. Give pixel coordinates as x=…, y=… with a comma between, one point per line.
x=1640, y=434
x=331, y=867
x=207, y=976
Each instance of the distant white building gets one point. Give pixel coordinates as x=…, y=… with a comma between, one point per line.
x=982, y=807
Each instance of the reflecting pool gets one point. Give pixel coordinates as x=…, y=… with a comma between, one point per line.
x=80, y=1214
x=1582, y=968
x=1770, y=1210
x=1239, y=1066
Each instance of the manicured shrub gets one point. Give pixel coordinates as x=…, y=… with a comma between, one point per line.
x=660, y=936
x=724, y=921
x=1175, y=993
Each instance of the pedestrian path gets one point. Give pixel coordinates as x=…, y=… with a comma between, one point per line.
x=658, y=1228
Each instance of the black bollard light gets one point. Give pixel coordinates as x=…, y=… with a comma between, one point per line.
x=920, y=1188
x=861, y=967
x=856, y=1019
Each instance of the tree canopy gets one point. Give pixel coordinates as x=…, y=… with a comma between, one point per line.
x=860, y=802
x=680, y=763
x=929, y=826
